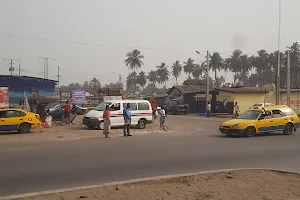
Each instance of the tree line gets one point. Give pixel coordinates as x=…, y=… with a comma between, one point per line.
x=256, y=70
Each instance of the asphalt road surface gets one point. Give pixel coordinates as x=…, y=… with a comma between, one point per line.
x=192, y=145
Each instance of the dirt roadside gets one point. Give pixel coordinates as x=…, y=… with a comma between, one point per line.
x=235, y=185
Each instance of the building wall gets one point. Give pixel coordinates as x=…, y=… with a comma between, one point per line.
x=247, y=100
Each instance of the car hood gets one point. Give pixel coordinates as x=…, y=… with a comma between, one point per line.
x=236, y=121
x=94, y=113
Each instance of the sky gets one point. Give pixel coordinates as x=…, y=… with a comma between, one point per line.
x=100, y=33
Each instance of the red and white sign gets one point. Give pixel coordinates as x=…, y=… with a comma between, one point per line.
x=4, y=97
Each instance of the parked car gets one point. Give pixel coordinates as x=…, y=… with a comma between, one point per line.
x=141, y=112
x=57, y=111
x=262, y=120
x=20, y=120
x=88, y=106
x=176, y=107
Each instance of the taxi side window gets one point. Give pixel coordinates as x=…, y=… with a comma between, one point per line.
x=13, y=113
x=278, y=113
x=2, y=114
x=266, y=115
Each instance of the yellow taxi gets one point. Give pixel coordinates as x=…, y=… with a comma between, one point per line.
x=262, y=120
x=17, y=119
x=88, y=106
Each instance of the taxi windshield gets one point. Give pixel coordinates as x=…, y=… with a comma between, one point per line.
x=250, y=114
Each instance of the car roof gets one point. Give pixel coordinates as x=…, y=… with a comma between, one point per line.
x=13, y=109
x=126, y=101
x=272, y=107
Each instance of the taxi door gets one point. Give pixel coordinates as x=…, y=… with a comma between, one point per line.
x=2, y=120
x=13, y=119
x=265, y=123
x=279, y=119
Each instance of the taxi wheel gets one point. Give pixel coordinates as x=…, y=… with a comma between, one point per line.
x=250, y=132
x=24, y=128
x=288, y=129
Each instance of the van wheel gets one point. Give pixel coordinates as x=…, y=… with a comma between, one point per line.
x=250, y=132
x=24, y=128
x=101, y=125
x=142, y=124
x=288, y=129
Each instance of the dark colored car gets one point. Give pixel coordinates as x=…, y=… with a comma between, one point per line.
x=176, y=107
x=57, y=111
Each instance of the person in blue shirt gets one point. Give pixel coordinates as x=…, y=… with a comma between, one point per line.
x=127, y=120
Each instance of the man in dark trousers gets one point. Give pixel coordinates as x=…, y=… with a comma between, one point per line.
x=127, y=120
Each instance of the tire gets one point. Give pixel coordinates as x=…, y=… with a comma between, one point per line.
x=24, y=128
x=250, y=132
x=288, y=129
x=101, y=125
x=142, y=124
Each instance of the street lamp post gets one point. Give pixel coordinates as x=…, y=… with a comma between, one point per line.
x=207, y=75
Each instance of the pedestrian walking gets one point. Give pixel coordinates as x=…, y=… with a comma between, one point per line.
x=107, y=123
x=127, y=120
x=154, y=108
x=162, y=118
x=208, y=110
x=67, y=110
x=237, y=109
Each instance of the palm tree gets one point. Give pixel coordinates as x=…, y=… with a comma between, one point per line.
x=234, y=63
x=216, y=63
x=189, y=66
x=198, y=70
x=95, y=85
x=295, y=64
x=261, y=63
x=152, y=77
x=86, y=86
x=141, y=79
x=131, y=81
x=134, y=61
x=176, y=70
x=162, y=73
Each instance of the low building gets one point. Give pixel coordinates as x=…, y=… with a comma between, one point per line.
x=18, y=86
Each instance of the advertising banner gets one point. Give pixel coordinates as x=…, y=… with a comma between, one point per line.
x=4, y=97
x=78, y=97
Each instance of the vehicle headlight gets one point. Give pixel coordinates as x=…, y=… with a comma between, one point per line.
x=235, y=126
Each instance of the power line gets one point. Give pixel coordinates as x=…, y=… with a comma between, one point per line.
x=96, y=44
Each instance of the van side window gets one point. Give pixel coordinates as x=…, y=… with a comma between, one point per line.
x=2, y=114
x=115, y=107
x=143, y=106
x=133, y=106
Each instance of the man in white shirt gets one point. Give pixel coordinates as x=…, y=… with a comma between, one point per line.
x=237, y=109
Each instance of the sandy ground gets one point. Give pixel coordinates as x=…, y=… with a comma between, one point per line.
x=237, y=185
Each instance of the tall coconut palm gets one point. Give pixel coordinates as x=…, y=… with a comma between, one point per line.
x=216, y=63
x=141, y=79
x=176, y=70
x=234, y=63
x=189, y=67
x=295, y=64
x=134, y=61
x=162, y=73
x=131, y=81
x=261, y=63
x=198, y=70
x=152, y=77
x=95, y=85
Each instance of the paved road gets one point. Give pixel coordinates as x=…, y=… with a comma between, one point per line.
x=195, y=146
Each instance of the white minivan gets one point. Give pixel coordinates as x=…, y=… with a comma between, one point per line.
x=141, y=114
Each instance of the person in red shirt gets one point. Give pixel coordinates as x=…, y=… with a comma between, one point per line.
x=153, y=106
x=67, y=110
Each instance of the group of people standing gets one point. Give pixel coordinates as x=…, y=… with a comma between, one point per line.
x=127, y=120
x=236, y=110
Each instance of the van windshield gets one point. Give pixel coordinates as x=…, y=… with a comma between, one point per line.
x=102, y=106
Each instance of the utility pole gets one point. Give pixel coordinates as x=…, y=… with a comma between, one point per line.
x=288, y=79
x=207, y=75
x=278, y=67
x=19, y=69
x=58, y=86
x=207, y=78
x=11, y=68
x=46, y=66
